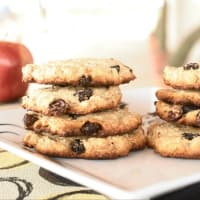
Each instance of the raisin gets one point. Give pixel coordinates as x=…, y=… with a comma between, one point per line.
x=84, y=94
x=90, y=128
x=30, y=119
x=195, y=66
x=191, y=66
x=130, y=70
x=122, y=105
x=190, y=136
x=198, y=118
x=85, y=80
x=74, y=116
x=174, y=114
x=77, y=146
x=117, y=67
x=187, y=109
x=58, y=107
x=107, y=86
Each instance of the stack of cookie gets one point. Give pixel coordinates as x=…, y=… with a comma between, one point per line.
x=79, y=113
x=179, y=136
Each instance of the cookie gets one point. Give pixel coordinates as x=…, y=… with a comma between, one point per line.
x=183, y=97
x=182, y=114
x=99, y=124
x=79, y=72
x=173, y=140
x=86, y=147
x=74, y=100
x=185, y=77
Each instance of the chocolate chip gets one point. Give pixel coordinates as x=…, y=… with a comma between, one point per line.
x=122, y=105
x=85, y=80
x=58, y=107
x=188, y=108
x=191, y=66
x=84, y=94
x=30, y=119
x=117, y=67
x=77, y=146
x=190, y=136
x=90, y=128
x=174, y=114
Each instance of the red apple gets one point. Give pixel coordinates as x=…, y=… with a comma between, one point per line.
x=13, y=56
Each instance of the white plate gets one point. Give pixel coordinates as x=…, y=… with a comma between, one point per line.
x=141, y=175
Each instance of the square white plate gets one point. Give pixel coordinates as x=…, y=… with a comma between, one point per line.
x=141, y=175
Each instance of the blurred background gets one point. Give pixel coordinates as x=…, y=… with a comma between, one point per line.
x=143, y=34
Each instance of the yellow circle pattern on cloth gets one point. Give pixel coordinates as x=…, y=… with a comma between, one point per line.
x=28, y=181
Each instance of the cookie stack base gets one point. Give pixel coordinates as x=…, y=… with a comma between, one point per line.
x=172, y=140
x=80, y=114
x=86, y=147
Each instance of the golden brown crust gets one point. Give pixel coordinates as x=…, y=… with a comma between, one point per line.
x=101, y=98
x=178, y=113
x=101, y=124
x=178, y=77
x=173, y=140
x=183, y=97
x=93, y=72
x=90, y=148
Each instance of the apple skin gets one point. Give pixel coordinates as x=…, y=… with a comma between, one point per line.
x=13, y=56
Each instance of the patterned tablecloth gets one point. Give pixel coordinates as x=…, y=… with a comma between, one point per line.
x=21, y=179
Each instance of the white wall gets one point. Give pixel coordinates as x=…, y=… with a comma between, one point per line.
x=98, y=28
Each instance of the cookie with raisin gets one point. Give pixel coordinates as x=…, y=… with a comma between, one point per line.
x=172, y=140
x=86, y=147
x=99, y=124
x=181, y=114
x=57, y=100
x=184, y=77
x=79, y=72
